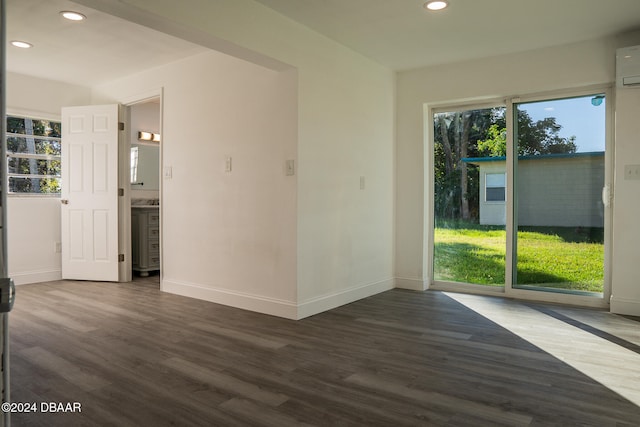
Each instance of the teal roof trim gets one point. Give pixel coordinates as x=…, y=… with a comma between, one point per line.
x=538, y=157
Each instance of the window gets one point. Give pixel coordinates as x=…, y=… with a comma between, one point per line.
x=550, y=233
x=134, y=165
x=495, y=187
x=33, y=155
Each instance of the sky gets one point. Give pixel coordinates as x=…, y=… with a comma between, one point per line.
x=578, y=118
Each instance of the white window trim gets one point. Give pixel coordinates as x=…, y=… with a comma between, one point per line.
x=36, y=115
x=429, y=109
x=486, y=186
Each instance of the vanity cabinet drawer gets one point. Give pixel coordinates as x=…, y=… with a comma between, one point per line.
x=154, y=246
x=145, y=238
x=154, y=218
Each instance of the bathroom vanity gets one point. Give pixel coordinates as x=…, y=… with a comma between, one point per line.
x=145, y=238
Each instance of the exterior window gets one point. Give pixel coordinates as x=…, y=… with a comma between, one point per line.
x=134, y=165
x=33, y=155
x=494, y=187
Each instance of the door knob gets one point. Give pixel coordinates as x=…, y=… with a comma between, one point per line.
x=64, y=201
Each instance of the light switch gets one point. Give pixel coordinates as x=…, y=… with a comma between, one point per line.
x=167, y=172
x=362, y=182
x=227, y=164
x=290, y=167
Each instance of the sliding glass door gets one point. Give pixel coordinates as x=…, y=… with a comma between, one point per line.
x=469, y=197
x=519, y=196
x=560, y=176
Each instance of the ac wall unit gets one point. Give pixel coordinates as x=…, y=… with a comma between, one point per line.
x=628, y=66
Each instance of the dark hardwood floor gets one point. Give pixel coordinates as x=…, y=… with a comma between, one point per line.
x=133, y=356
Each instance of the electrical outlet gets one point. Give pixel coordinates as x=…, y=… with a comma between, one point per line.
x=631, y=172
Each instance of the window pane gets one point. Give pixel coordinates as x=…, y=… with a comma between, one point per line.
x=34, y=148
x=469, y=234
x=495, y=194
x=34, y=166
x=15, y=125
x=134, y=165
x=560, y=174
x=34, y=185
x=496, y=180
x=17, y=144
x=28, y=126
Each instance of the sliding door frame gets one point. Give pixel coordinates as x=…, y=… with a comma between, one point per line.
x=510, y=262
x=430, y=111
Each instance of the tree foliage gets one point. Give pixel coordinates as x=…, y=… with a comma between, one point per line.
x=534, y=138
x=33, y=137
x=482, y=133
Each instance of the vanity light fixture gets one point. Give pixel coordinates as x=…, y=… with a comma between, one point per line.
x=148, y=136
x=21, y=44
x=72, y=16
x=436, y=4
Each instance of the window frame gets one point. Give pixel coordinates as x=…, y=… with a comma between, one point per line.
x=429, y=109
x=504, y=187
x=46, y=157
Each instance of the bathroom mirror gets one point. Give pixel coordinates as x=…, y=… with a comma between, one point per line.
x=145, y=167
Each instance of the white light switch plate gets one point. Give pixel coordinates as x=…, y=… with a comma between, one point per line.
x=290, y=167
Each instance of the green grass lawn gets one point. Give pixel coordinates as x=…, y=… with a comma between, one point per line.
x=565, y=258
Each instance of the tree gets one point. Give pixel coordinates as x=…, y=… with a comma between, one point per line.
x=534, y=138
x=478, y=133
x=456, y=182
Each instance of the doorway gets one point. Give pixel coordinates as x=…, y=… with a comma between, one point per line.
x=521, y=198
x=142, y=167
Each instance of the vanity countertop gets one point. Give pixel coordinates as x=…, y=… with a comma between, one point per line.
x=145, y=203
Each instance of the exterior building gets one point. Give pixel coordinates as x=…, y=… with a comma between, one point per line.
x=563, y=190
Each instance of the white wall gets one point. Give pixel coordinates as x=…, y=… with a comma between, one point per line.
x=552, y=69
x=33, y=223
x=345, y=130
x=228, y=237
x=625, y=295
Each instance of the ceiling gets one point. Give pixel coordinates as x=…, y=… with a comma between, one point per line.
x=399, y=34
x=99, y=49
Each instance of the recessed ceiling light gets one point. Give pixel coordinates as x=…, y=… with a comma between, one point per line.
x=21, y=44
x=436, y=4
x=73, y=16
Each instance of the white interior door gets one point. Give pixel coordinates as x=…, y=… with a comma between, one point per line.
x=90, y=193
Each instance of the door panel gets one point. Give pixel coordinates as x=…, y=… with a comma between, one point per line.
x=90, y=193
x=469, y=205
x=560, y=171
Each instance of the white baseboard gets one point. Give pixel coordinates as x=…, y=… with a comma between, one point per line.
x=272, y=306
x=411, y=284
x=257, y=303
x=27, y=277
x=625, y=306
x=327, y=302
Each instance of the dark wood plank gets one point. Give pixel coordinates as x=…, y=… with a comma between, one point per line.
x=133, y=356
